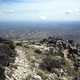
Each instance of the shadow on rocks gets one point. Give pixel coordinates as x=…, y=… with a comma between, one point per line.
x=7, y=56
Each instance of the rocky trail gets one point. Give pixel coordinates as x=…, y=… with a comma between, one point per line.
x=21, y=69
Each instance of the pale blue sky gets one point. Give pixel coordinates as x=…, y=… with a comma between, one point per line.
x=39, y=10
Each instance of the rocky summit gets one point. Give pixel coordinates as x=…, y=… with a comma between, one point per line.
x=47, y=59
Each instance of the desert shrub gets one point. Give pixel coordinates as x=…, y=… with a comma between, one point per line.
x=19, y=44
x=71, y=42
x=58, y=54
x=11, y=45
x=2, y=76
x=8, y=42
x=37, y=51
x=26, y=46
x=7, y=56
x=43, y=41
x=28, y=77
x=43, y=74
x=51, y=50
x=51, y=62
x=68, y=67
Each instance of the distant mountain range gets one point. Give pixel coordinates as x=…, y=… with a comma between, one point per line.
x=38, y=30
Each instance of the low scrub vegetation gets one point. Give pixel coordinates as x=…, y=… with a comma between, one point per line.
x=38, y=51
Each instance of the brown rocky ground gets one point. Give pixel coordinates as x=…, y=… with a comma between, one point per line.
x=49, y=59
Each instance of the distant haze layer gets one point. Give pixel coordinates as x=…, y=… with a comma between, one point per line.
x=38, y=30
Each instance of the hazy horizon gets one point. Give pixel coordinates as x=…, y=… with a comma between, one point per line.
x=39, y=30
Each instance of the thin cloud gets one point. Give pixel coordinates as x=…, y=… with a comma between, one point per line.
x=5, y=1
x=52, y=9
x=77, y=10
x=7, y=12
x=22, y=1
x=68, y=12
